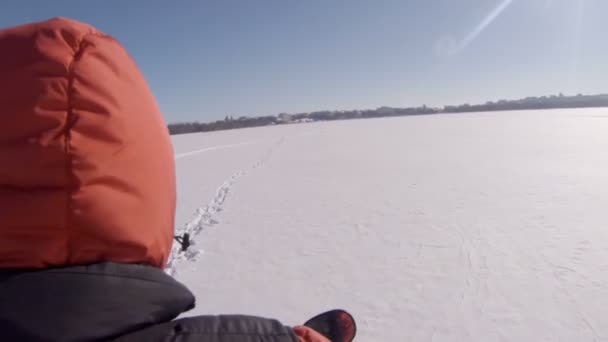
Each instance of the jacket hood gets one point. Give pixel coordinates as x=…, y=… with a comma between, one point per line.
x=87, y=170
x=85, y=303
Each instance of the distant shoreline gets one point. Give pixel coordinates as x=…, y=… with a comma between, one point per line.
x=529, y=103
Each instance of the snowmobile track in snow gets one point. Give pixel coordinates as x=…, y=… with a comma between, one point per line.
x=204, y=216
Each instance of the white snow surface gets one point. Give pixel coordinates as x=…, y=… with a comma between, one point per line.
x=455, y=227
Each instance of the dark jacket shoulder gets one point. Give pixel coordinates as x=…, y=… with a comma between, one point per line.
x=109, y=301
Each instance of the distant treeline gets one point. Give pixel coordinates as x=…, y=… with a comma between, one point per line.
x=543, y=102
x=228, y=123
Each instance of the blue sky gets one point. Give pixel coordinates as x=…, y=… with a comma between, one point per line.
x=208, y=59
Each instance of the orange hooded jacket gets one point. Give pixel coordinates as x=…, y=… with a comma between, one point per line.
x=86, y=162
x=87, y=171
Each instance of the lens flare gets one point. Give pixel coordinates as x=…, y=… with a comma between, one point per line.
x=483, y=24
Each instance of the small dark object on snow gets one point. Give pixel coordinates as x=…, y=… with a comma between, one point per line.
x=336, y=325
x=184, y=240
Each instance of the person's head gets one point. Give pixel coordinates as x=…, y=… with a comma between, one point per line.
x=86, y=163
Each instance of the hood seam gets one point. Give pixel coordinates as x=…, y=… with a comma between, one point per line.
x=70, y=121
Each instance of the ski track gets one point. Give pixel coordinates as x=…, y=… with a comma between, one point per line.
x=213, y=148
x=204, y=216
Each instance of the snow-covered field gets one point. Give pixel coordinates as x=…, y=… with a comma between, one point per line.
x=464, y=227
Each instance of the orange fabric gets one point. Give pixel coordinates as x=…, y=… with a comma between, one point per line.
x=86, y=163
x=306, y=334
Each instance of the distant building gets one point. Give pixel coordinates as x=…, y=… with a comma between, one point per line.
x=305, y=120
x=284, y=118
